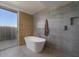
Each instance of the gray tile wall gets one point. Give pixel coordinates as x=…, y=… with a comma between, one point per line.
x=65, y=41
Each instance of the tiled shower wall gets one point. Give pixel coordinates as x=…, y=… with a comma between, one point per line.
x=66, y=41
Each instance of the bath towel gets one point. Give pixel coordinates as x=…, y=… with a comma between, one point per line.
x=46, y=30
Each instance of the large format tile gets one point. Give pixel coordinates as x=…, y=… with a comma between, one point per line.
x=5, y=44
x=25, y=52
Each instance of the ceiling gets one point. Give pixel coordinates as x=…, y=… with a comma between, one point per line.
x=33, y=7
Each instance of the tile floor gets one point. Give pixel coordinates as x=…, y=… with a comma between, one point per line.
x=5, y=44
x=23, y=51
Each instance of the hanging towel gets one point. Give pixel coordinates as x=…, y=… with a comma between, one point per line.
x=46, y=30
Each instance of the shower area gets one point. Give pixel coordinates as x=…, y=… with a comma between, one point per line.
x=8, y=29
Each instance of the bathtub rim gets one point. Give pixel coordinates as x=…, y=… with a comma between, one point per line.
x=27, y=38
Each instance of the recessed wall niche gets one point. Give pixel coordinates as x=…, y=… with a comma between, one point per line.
x=74, y=21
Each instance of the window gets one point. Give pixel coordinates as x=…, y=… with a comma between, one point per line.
x=8, y=18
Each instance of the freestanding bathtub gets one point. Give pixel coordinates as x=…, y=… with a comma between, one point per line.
x=35, y=44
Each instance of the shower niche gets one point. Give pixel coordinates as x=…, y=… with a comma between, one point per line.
x=74, y=21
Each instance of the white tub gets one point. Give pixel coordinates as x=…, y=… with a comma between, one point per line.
x=35, y=44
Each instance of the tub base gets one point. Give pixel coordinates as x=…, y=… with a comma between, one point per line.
x=35, y=46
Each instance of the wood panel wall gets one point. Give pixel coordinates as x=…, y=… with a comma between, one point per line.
x=25, y=26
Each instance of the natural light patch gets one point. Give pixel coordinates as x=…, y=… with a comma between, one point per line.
x=8, y=18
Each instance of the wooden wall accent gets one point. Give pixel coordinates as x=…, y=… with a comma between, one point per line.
x=25, y=26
